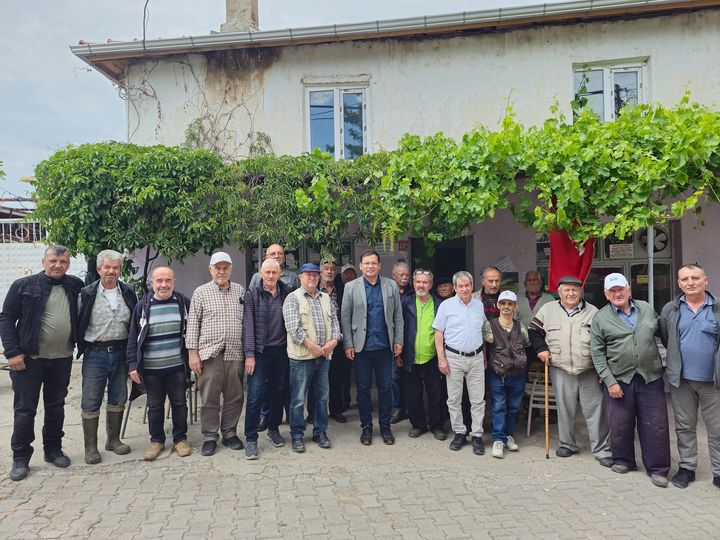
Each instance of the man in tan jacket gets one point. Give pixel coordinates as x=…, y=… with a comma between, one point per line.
x=313, y=331
x=560, y=334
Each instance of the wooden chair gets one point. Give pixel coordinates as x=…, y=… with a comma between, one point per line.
x=535, y=390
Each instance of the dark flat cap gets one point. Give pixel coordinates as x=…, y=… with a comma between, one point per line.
x=570, y=280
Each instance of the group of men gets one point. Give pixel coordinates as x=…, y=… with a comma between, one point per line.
x=297, y=336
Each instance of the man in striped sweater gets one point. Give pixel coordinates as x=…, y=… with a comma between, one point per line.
x=157, y=358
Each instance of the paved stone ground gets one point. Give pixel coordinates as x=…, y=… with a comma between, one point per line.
x=415, y=489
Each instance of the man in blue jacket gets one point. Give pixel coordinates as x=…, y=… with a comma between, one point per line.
x=157, y=357
x=38, y=328
x=689, y=329
x=419, y=359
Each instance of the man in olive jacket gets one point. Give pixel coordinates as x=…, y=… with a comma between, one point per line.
x=626, y=358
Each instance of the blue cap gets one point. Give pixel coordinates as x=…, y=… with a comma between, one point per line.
x=309, y=267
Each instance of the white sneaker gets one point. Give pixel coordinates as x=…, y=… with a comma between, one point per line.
x=511, y=444
x=498, y=449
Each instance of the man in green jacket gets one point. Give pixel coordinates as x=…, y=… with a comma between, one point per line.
x=626, y=358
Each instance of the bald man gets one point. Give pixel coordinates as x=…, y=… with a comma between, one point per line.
x=277, y=253
x=157, y=358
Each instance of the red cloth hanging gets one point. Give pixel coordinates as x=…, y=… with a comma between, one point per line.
x=566, y=260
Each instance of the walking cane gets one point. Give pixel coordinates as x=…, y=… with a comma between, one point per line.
x=547, y=416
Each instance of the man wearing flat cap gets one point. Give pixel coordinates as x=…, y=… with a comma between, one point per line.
x=627, y=359
x=214, y=343
x=560, y=334
x=313, y=332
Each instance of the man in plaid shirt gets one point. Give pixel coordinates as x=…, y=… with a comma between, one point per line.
x=214, y=342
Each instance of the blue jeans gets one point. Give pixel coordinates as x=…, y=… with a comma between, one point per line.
x=159, y=386
x=381, y=363
x=507, y=393
x=100, y=369
x=303, y=375
x=267, y=384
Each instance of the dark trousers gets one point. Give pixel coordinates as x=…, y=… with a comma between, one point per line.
x=159, y=386
x=428, y=376
x=267, y=384
x=380, y=363
x=53, y=376
x=643, y=406
x=339, y=380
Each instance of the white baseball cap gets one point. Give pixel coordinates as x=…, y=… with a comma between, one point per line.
x=219, y=257
x=507, y=295
x=615, y=280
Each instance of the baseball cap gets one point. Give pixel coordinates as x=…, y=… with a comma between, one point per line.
x=219, y=257
x=615, y=280
x=507, y=295
x=309, y=267
x=348, y=267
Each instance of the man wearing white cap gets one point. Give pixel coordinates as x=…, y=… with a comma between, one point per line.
x=626, y=358
x=505, y=341
x=214, y=342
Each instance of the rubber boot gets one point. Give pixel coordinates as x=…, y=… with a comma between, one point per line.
x=90, y=429
x=113, y=424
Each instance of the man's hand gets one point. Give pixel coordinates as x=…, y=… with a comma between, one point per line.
x=397, y=349
x=350, y=353
x=315, y=349
x=250, y=365
x=329, y=347
x=194, y=361
x=17, y=363
x=398, y=361
x=135, y=376
x=615, y=391
x=443, y=366
x=544, y=357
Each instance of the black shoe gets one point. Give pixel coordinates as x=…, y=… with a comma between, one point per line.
x=683, y=477
x=439, y=434
x=398, y=417
x=233, y=443
x=458, y=442
x=366, y=436
x=339, y=418
x=416, y=432
x=298, y=445
x=387, y=436
x=716, y=481
x=478, y=446
x=563, y=451
x=208, y=448
x=321, y=440
x=20, y=469
x=606, y=462
x=263, y=425
x=58, y=458
x=275, y=438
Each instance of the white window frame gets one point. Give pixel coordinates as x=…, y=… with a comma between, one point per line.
x=338, y=92
x=609, y=70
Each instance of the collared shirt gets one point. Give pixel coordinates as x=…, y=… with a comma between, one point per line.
x=698, y=340
x=332, y=292
x=425, y=335
x=630, y=319
x=489, y=302
x=376, y=337
x=214, y=323
x=461, y=323
x=574, y=311
x=291, y=311
x=108, y=322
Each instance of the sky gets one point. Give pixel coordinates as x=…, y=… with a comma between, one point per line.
x=50, y=99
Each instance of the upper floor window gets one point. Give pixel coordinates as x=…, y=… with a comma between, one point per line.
x=607, y=89
x=337, y=121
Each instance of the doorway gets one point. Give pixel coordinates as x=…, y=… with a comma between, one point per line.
x=450, y=256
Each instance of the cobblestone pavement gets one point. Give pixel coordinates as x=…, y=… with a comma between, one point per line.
x=417, y=488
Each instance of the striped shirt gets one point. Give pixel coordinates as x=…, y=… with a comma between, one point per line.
x=163, y=345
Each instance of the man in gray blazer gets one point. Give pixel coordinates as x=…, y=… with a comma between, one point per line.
x=372, y=328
